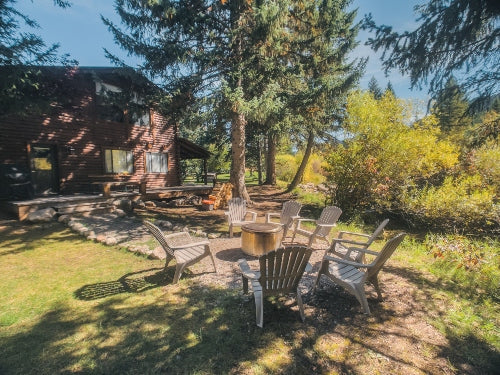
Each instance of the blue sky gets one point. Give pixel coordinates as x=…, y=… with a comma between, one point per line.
x=81, y=33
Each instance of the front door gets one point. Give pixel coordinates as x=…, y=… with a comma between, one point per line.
x=43, y=169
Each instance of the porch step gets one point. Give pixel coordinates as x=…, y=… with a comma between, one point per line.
x=84, y=208
x=78, y=204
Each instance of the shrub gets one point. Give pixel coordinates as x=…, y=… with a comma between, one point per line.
x=286, y=167
x=472, y=263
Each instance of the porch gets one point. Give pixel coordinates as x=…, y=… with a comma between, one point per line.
x=80, y=203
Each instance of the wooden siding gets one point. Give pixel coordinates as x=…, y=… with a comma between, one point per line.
x=77, y=125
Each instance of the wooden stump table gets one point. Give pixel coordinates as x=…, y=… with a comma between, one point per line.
x=260, y=238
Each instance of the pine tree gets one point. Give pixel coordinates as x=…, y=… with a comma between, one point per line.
x=451, y=107
x=256, y=56
x=19, y=52
x=454, y=37
x=374, y=88
x=192, y=47
x=324, y=36
x=390, y=89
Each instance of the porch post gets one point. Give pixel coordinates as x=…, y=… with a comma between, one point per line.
x=205, y=171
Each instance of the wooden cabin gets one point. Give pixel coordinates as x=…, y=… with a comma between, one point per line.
x=96, y=135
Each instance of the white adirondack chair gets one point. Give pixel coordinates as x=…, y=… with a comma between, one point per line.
x=280, y=273
x=287, y=217
x=181, y=247
x=353, y=276
x=340, y=245
x=324, y=225
x=237, y=214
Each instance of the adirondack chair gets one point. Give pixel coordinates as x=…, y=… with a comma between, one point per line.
x=353, y=276
x=237, y=214
x=181, y=247
x=280, y=273
x=324, y=225
x=342, y=247
x=288, y=215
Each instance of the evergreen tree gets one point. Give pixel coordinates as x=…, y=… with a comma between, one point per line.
x=263, y=59
x=390, y=89
x=19, y=52
x=199, y=49
x=374, y=88
x=453, y=37
x=451, y=107
x=324, y=36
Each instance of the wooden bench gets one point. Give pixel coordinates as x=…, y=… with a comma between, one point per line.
x=106, y=186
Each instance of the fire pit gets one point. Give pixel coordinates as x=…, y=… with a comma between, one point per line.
x=260, y=238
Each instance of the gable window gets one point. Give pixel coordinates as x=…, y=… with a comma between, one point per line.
x=118, y=105
x=118, y=161
x=139, y=115
x=156, y=162
x=108, y=99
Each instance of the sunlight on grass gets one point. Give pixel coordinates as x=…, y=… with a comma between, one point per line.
x=332, y=349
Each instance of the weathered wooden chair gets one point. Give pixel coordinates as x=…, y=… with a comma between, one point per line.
x=280, y=273
x=181, y=247
x=288, y=215
x=237, y=214
x=342, y=247
x=324, y=225
x=353, y=276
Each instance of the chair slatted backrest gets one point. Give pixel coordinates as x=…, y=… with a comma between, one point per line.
x=329, y=216
x=237, y=208
x=384, y=255
x=159, y=236
x=282, y=269
x=289, y=210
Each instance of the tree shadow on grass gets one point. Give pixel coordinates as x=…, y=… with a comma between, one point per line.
x=132, y=326
x=17, y=237
x=132, y=282
x=208, y=330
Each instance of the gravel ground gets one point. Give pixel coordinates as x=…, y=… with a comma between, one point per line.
x=130, y=233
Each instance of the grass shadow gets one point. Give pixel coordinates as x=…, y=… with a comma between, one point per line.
x=132, y=282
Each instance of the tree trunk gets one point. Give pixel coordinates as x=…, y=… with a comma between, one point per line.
x=237, y=176
x=300, y=172
x=271, y=159
x=259, y=159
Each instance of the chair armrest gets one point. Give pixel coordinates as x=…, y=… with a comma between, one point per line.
x=192, y=244
x=337, y=240
x=326, y=225
x=341, y=233
x=344, y=261
x=363, y=250
x=246, y=271
x=304, y=219
x=253, y=213
x=271, y=214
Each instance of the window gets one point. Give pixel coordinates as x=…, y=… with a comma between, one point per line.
x=108, y=97
x=113, y=100
x=156, y=162
x=139, y=116
x=119, y=161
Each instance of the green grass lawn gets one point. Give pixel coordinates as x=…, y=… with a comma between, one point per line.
x=68, y=305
